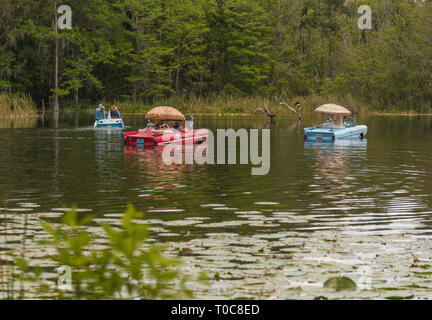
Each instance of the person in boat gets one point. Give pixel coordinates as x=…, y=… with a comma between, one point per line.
x=331, y=122
x=178, y=127
x=189, y=124
x=100, y=112
x=159, y=126
x=165, y=126
x=115, y=114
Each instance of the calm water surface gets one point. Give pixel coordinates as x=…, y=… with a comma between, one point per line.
x=358, y=208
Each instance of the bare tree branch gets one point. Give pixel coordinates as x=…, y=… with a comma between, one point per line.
x=297, y=105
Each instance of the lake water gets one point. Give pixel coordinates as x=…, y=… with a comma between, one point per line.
x=361, y=209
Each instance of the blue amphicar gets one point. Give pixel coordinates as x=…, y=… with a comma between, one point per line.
x=114, y=119
x=109, y=123
x=339, y=125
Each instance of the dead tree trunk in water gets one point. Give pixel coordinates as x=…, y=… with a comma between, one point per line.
x=267, y=112
x=297, y=105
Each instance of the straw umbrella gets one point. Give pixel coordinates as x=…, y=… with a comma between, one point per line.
x=165, y=114
x=334, y=110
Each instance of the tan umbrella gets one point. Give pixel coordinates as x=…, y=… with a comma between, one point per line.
x=166, y=114
x=333, y=109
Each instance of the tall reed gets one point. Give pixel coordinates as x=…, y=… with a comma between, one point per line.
x=16, y=105
x=231, y=104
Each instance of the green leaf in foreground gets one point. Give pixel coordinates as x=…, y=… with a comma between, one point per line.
x=127, y=266
x=340, y=283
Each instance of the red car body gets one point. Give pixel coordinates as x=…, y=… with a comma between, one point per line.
x=151, y=138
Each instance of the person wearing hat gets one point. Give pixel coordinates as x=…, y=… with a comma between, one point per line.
x=115, y=113
x=100, y=112
x=178, y=127
x=189, y=124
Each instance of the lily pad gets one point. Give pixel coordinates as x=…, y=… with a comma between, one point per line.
x=340, y=283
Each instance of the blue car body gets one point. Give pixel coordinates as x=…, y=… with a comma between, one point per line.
x=329, y=132
x=109, y=123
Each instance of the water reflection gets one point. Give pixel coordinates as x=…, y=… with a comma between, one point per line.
x=338, y=144
x=108, y=142
x=56, y=154
x=149, y=162
x=333, y=161
x=15, y=123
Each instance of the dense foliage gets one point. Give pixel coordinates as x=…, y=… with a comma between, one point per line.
x=143, y=50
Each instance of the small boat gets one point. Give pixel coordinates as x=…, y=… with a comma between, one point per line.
x=109, y=122
x=161, y=133
x=339, y=125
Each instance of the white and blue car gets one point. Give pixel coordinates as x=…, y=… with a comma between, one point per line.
x=109, y=122
x=338, y=126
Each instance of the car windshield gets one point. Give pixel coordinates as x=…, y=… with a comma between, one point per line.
x=348, y=122
x=165, y=125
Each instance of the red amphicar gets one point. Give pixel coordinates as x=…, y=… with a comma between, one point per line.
x=167, y=128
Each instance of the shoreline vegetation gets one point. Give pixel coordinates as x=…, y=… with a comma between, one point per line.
x=19, y=106
x=16, y=106
x=232, y=105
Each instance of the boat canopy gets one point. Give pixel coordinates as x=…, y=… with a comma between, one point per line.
x=165, y=114
x=333, y=109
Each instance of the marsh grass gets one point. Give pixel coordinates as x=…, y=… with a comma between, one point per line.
x=16, y=106
x=22, y=106
x=233, y=105
x=224, y=104
x=20, y=122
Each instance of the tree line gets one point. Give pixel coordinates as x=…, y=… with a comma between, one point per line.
x=144, y=50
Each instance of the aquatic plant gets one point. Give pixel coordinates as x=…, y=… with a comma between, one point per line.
x=125, y=267
x=340, y=283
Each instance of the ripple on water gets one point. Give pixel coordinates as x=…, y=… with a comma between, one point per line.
x=178, y=223
x=165, y=210
x=212, y=205
x=28, y=205
x=267, y=203
x=70, y=209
